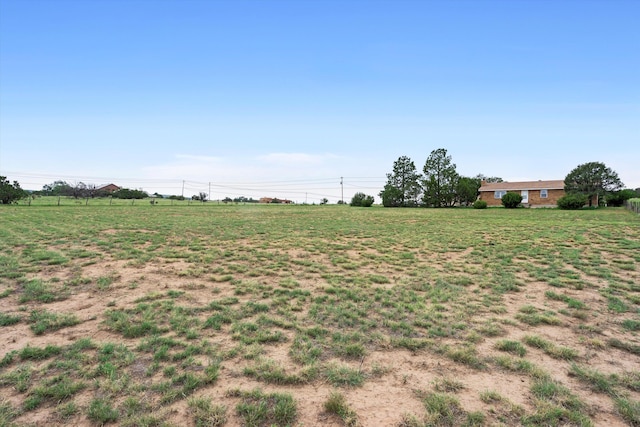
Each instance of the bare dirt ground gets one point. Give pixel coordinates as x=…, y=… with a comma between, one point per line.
x=396, y=378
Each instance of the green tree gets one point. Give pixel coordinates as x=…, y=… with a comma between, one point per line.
x=403, y=184
x=617, y=198
x=391, y=196
x=361, y=199
x=56, y=188
x=440, y=179
x=10, y=193
x=592, y=179
x=467, y=190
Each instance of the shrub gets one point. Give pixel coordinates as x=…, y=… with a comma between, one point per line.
x=479, y=204
x=572, y=201
x=125, y=193
x=511, y=200
x=10, y=193
x=361, y=199
x=618, y=198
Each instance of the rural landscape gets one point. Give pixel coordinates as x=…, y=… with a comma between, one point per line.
x=258, y=315
x=283, y=213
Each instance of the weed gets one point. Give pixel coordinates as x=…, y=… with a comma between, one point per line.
x=20, y=378
x=443, y=410
x=129, y=326
x=343, y=376
x=630, y=380
x=511, y=347
x=598, y=381
x=521, y=365
x=535, y=319
x=101, y=411
x=45, y=321
x=631, y=325
x=617, y=305
x=37, y=290
x=557, y=352
x=8, y=320
x=337, y=404
x=305, y=350
x=466, y=355
x=626, y=346
x=447, y=385
x=104, y=282
x=551, y=391
x=628, y=409
x=491, y=329
x=35, y=353
x=269, y=371
x=67, y=410
x=206, y=414
x=258, y=408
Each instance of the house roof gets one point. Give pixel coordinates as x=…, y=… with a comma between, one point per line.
x=557, y=184
x=106, y=186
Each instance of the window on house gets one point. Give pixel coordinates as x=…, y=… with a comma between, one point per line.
x=498, y=194
x=543, y=194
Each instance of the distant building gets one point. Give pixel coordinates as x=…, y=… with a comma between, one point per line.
x=109, y=188
x=534, y=193
x=271, y=200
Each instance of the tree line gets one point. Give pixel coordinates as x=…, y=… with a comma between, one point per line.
x=439, y=184
x=81, y=190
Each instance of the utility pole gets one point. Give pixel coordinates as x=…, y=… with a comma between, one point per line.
x=209, y=197
x=183, y=188
x=341, y=191
x=305, y=198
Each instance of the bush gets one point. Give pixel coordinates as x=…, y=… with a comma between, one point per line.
x=511, y=200
x=479, y=204
x=10, y=193
x=572, y=201
x=618, y=198
x=125, y=193
x=361, y=199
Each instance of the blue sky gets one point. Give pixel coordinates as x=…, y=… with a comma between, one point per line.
x=282, y=98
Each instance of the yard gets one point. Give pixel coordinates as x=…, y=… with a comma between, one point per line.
x=204, y=314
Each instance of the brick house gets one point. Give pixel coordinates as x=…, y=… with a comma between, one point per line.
x=271, y=199
x=109, y=188
x=534, y=193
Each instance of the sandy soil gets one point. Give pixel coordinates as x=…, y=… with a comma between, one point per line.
x=383, y=400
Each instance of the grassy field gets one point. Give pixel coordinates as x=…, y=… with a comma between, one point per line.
x=255, y=315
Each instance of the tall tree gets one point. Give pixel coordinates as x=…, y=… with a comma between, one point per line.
x=10, y=193
x=403, y=184
x=467, y=190
x=440, y=179
x=593, y=179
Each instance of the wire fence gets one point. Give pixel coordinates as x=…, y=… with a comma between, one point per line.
x=63, y=201
x=307, y=190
